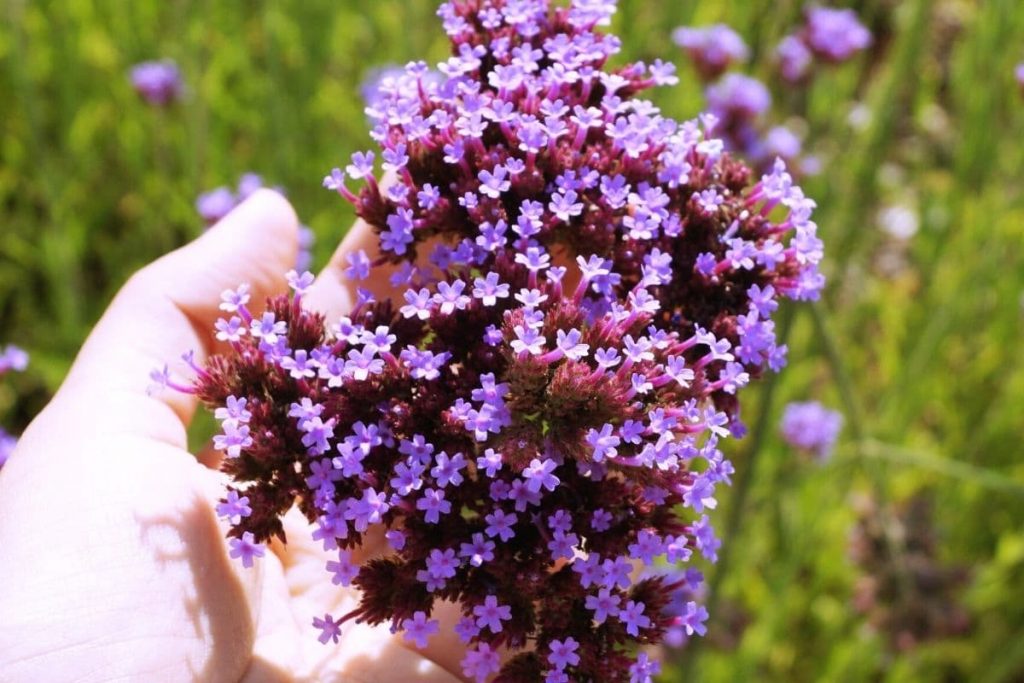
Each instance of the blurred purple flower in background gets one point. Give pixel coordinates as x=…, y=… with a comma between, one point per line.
x=835, y=34
x=247, y=184
x=215, y=204
x=7, y=444
x=811, y=426
x=11, y=358
x=218, y=202
x=780, y=141
x=157, y=82
x=1019, y=74
x=713, y=49
x=737, y=96
x=795, y=59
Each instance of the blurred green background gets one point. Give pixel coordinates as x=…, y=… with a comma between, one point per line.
x=917, y=342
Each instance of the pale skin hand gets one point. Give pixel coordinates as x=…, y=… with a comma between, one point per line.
x=113, y=565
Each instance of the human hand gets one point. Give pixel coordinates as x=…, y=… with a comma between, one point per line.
x=113, y=564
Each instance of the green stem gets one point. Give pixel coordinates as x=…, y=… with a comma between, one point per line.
x=843, y=381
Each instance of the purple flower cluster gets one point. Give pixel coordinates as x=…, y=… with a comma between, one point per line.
x=218, y=202
x=585, y=286
x=811, y=427
x=14, y=359
x=158, y=82
x=713, y=49
x=831, y=35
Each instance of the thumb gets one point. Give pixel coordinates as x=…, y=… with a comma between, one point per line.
x=169, y=307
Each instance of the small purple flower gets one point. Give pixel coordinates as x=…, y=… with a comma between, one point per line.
x=713, y=49
x=644, y=669
x=419, y=628
x=835, y=34
x=795, y=59
x=159, y=83
x=493, y=184
x=215, y=204
x=603, y=442
x=569, y=344
x=601, y=520
x=491, y=614
x=632, y=615
x=812, y=427
x=539, y=475
x=13, y=358
x=234, y=507
x=466, y=629
x=693, y=619
x=563, y=653
x=480, y=662
x=605, y=604
x=479, y=551
x=245, y=548
x=361, y=166
x=330, y=630
x=344, y=570
x=489, y=289
x=500, y=523
x=738, y=97
x=434, y=505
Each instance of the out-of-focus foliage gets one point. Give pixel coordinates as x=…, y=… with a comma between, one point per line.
x=918, y=341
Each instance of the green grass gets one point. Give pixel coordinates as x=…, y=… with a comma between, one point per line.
x=918, y=343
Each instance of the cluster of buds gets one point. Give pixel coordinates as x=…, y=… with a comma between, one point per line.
x=218, y=202
x=585, y=286
x=14, y=359
x=906, y=592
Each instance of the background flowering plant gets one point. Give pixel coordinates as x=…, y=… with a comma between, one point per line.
x=526, y=431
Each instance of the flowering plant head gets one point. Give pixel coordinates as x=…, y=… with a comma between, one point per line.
x=585, y=286
x=158, y=82
x=713, y=49
x=835, y=35
x=811, y=427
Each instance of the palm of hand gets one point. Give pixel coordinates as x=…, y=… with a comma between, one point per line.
x=114, y=564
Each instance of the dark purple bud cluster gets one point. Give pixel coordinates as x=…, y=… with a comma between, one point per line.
x=586, y=285
x=907, y=593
